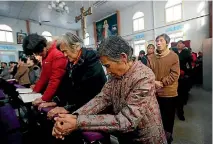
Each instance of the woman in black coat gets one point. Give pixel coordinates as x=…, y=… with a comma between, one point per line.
x=83, y=80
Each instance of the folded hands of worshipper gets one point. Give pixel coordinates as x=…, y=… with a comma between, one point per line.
x=46, y=104
x=37, y=101
x=55, y=111
x=64, y=125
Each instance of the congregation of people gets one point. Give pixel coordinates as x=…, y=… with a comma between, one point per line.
x=133, y=98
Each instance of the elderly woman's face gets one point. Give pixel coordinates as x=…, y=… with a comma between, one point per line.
x=161, y=44
x=71, y=54
x=114, y=68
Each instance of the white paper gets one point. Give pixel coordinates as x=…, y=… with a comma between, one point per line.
x=30, y=97
x=24, y=90
x=11, y=80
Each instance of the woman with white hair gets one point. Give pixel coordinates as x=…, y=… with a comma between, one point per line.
x=131, y=92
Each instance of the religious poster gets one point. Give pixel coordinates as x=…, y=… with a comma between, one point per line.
x=20, y=37
x=106, y=27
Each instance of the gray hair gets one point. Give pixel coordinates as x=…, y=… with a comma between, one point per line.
x=113, y=47
x=70, y=40
x=165, y=36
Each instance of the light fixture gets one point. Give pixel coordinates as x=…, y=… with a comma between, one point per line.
x=59, y=6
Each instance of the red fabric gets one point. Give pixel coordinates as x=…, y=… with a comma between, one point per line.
x=194, y=58
x=53, y=69
x=182, y=73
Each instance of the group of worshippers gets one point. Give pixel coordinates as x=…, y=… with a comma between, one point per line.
x=73, y=81
x=26, y=71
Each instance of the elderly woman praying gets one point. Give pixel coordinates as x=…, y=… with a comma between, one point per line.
x=131, y=92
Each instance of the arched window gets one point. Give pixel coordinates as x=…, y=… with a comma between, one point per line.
x=173, y=10
x=6, y=33
x=47, y=35
x=86, y=40
x=138, y=21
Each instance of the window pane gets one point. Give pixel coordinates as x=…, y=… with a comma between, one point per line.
x=169, y=14
x=139, y=42
x=142, y=47
x=172, y=2
x=141, y=24
x=177, y=12
x=138, y=15
x=177, y=39
x=46, y=33
x=86, y=41
x=9, y=36
x=48, y=38
x=135, y=25
x=137, y=50
x=2, y=36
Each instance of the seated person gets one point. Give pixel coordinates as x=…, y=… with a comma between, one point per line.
x=34, y=73
x=131, y=92
x=84, y=79
x=53, y=65
x=13, y=68
x=5, y=74
x=22, y=75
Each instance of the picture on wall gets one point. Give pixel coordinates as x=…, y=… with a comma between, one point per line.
x=106, y=27
x=20, y=37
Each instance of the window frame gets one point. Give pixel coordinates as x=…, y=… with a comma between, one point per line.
x=137, y=19
x=47, y=36
x=172, y=6
x=139, y=44
x=5, y=31
x=87, y=37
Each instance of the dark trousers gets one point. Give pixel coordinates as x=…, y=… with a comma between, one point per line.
x=184, y=86
x=167, y=108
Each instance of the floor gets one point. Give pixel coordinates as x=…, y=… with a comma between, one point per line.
x=197, y=129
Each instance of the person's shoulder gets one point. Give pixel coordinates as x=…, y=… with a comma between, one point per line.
x=141, y=71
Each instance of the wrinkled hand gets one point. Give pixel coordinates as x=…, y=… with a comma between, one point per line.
x=37, y=101
x=46, y=104
x=64, y=125
x=57, y=110
x=158, y=84
x=32, y=86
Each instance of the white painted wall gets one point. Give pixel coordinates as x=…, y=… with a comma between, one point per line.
x=154, y=15
x=18, y=25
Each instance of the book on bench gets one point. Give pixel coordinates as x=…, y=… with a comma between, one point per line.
x=24, y=90
x=29, y=97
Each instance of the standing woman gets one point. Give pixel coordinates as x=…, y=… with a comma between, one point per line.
x=53, y=65
x=22, y=75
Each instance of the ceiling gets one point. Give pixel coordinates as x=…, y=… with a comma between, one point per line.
x=26, y=10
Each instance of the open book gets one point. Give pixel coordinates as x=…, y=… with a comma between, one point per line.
x=29, y=97
x=24, y=90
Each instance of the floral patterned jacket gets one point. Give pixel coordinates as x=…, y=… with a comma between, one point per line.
x=135, y=106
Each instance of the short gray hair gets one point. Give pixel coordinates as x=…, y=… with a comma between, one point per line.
x=113, y=47
x=70, y=40
x=165, y=36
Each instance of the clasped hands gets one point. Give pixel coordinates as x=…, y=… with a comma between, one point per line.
x=158, y=85
x=64, y=125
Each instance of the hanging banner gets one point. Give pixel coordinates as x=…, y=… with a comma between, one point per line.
x=7, y=47
x=174, y=28
x=139, y=36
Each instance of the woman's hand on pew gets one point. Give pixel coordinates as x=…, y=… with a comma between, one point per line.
x=65, y=124
x=37, y=101
x=55, y=111
x=32, y=86
x=46, y=104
